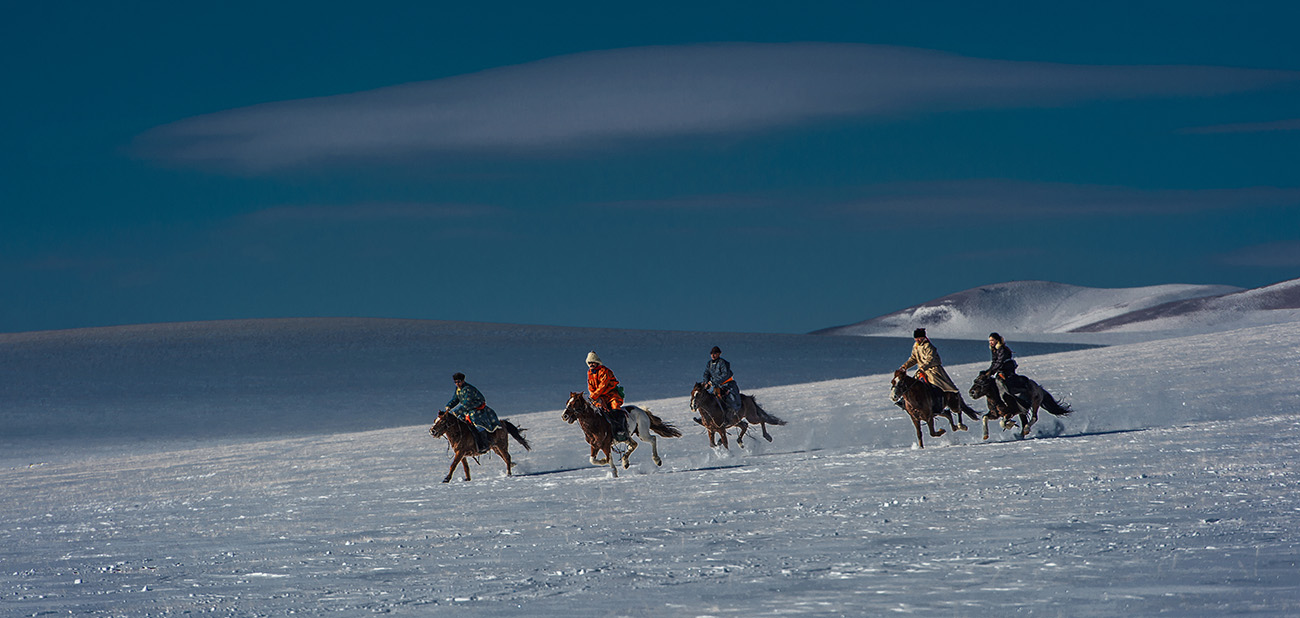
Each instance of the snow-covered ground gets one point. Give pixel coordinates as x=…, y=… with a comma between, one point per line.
x=1173, y=490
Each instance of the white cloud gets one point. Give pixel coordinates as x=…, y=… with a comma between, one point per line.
x=589, y=99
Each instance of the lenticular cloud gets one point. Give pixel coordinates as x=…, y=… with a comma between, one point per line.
x=589, y=100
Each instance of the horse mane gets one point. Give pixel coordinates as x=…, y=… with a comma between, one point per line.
x=460, y=420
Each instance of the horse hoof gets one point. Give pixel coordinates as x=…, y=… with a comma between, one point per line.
x=962, y=428
x=767, y=437
x=658, y=462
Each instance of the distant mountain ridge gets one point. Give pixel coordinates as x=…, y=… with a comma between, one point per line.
x=1046, y=310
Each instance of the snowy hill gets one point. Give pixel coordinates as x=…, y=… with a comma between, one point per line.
x=1171, y=490
x=1267, y=305
x=1045, y=311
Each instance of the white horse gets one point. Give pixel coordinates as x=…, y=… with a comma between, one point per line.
x=600, y=434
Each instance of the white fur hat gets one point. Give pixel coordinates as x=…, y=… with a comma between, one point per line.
x=592, y=358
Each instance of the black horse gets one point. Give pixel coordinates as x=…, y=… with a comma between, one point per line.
x=1004, y=405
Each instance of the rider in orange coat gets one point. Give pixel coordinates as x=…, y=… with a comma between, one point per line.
x=602, y=386
x=603, y=389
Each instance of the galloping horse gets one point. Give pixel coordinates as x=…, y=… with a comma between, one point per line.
x=460, y=433
x=716, y=418
x=924, y=401
x=600, y=435
x=1003, y=405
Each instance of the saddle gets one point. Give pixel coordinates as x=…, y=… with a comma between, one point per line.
x=482, y=442
x=618, y=424
x=1018, y=387
x=732, y=415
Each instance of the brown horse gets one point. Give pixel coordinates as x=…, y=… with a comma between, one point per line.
x=717, y=419
x=1004, y=406
x=460, y=433
x=600, y=435
x=924, y=401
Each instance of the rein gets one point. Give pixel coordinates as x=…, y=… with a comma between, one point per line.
x=461, y=436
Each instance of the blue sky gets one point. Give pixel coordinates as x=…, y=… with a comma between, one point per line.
x=732, y=166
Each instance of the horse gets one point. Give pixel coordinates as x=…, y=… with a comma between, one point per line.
x=600, y=434
x=717, y=419
x=1003, y=405
x=924, y=401
x=460, y=434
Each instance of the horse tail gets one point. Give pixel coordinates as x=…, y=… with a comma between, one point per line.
x=517, y=434
x=658, y=426
x=974, y=416
x=763, y=415
x=1052, y=405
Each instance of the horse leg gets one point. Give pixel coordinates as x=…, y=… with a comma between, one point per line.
x=647, y=435
x=1026, y=423
x=1033, y=410
x=722, y=437
x=917, y=423
x=597, y=462
x=454, y=461
x=935, y=432
x=986, y=427
x=464, y=463
x=632, y=447
x=504, y=452
x=610, y=458
x=948, y=415
x=954, y=404
x=766, y=436
x=740, y=437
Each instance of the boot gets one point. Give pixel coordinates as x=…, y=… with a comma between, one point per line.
x=618, y=424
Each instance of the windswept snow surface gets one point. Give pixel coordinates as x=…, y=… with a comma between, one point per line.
x=1038, y=310
x=1172, y=489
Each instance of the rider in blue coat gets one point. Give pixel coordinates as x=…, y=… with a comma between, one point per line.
x=468, y=403
x=718, y=374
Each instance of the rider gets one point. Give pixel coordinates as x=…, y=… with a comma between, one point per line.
x=928, y=365
x=1002, y=368
x=604, y=391
x=717, y=374
x=468, y=403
